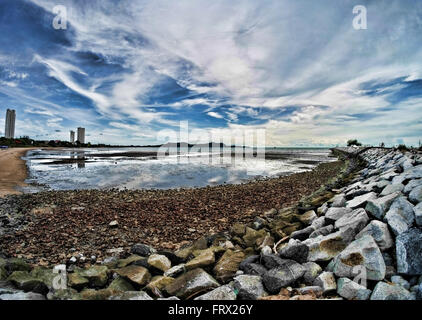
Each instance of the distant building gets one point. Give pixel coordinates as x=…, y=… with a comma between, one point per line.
x=81, y=135
x=72, y=136
x=9, y=131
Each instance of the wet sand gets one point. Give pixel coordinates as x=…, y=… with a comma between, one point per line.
x=13, y=170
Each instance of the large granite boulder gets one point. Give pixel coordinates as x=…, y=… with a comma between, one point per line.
x=361, y=255
x=333, y=214
x=360, y=201
x=416, y=195
x=409, y=252
x=379, y=206
x=400, y=216
x=379, y=231
x=356, y=220
x=295, y=250
x=351, y=290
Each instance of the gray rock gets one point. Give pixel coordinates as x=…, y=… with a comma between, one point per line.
x=322, y=231
x=302, y=234
x=22, y=296
x=333, y=214
x=411, y=185
x=324, y=248
x=382, y=184
x=416, y=195
x=312, y=271
x=318, y=223
x=400, y=216
x=385, y=291
x=361, y=201
x=266, y=250
x=418, y=214
x=225, y=292
x=296, y=251
x=310, y=290
x=282, y=276
x=323, y=209
x=409, y=252
x=175, y=271
x=351, y=290
x=419, y=293
x=254, y=269
x=271, y=261
x=339, y=201
x=131, y=295
x=379, y=231
x=361, y=254
x=143, y=250
x=308, y=217
x=391, y=188
x=400, y=281
x=326, y=281
x=249, y=287
x=378, y=207
x=356, y=220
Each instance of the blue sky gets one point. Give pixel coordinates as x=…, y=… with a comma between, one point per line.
x=127, y=70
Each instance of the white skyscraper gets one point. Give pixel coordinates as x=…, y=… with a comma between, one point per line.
x=72, y=136
x=9, y=131
x=81, y=135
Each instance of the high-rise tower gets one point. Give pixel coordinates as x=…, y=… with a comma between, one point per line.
x=72, y=136
x=9, y=131
x=81, y=135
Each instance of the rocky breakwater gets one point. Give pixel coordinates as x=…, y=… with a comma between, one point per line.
x=357, y=238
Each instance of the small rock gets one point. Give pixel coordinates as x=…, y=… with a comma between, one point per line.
x=351, y=290
x=400, y=281
x=312, y=271
x=308, y=217
x=282, y=276
x=326, y=281
x=222, y=293
x=228, y=265
x=324, y=231
x=312, y=290
x=302, y=234
x=175, y=271
x=296, y=251
x=338, y=201
x=131, y=295
x=333, y=214
x=22, y=296
x=142, y=250
x=159, y=261
x=385, y=291
x=249, y=287
x=113, y=224
x=137, y=274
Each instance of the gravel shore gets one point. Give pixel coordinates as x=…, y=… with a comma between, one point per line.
x=49, y=227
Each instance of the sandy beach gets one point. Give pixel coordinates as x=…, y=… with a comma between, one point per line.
x=13, y=170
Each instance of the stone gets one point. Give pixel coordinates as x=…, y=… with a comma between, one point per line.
x=271, y=261
x=318, y=223
x=252, y=236
x=282, y=276
x=296, y=251
x=22, y=296
x=338, y=201
x=379, y=231
x=312, y=290
x=324, y=248
x=361, y=254
x=47, y=276
x=113, y=224
x=238, y=229
x=324, y=231
x=400, y=216
x=75, y=280
x=129, y=260
x=258, y=223
x=159, y=261
x=191, y=283
x=351, y=290
x=63, y=294
x=308, y=217
x=418, y=214
x=204, y=259
x=96, y=275
x=26, y=282
x=249, y=287
x=136, y=274
x=175, y=271
x=254, y=269
x=409, y=252
x=378, y=207
x=326, y=281
x=142, y=250
x=228, y=265
x=159, y=283
x=415, y=195
x=333, y=214
x=120, y=284
x=385, y=291
x=302, y=234
x=360, y=201
x=312, y=271
x=391, y=188
x=225, y=292
x=16, y=264
x=411, y=185
x=356, y=220
x=131, y=295
x=400, y=281
x=322, y=209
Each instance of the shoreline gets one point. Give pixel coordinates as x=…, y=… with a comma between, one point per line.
x=13, y=170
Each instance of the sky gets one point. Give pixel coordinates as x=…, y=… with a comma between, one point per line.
x=130, y=71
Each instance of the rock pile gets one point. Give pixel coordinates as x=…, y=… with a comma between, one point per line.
x=362, y=241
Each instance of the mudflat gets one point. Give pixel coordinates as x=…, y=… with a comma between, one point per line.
x=13, y=170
